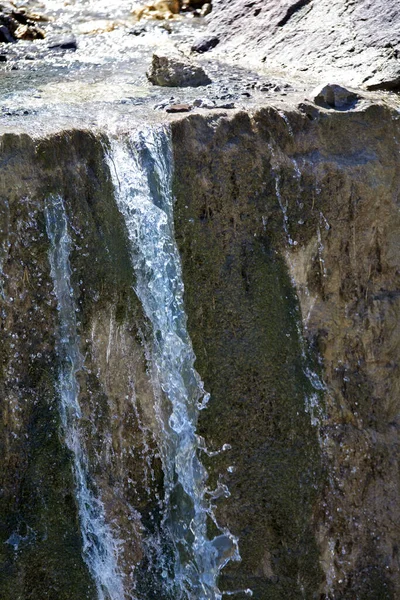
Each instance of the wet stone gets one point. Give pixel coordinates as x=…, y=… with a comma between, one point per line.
x=204, y=44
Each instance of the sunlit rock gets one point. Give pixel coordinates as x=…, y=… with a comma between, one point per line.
x=173, y=69
x=335, y=96
x=161, y=9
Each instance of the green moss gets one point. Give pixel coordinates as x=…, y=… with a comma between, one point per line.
x=243, y=320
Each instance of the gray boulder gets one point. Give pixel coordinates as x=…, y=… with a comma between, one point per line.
x=174, y=69
x=335, y=96
x=355, y=42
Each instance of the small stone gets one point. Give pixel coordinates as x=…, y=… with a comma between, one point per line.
x=138, y=30
x=335, y=96
x=165, y=26
x=5, y=35
x=67, y=42
x=204, y=44
x=205, y=9
x=175, y=70
x=226, y=105
x=178, y=108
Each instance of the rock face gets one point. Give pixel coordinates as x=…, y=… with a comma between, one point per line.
x=41, y=544
x=287, y=223
x=356, y=43
x=176, y=70
x=309, y=197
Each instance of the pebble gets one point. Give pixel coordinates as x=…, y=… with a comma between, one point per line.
x=67, y=42
x=178, y=108
x=204, y=44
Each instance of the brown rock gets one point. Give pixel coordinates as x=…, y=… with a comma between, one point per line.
x=178, y=108
x=161, y=9
x=174, y=69
x=29, y=32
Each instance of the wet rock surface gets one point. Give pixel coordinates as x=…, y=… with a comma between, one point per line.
x=310, y=198
x=287, y=223
x=41, y=544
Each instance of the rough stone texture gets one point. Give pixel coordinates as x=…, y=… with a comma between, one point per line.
x=335, y=96
x=204, y=44
x=333, y=178
x=37, y=501
x=355, y=43
x=306, y=196
x=173, y=69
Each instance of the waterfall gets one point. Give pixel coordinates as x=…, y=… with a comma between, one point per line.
x=99, y=547
x=141, y=168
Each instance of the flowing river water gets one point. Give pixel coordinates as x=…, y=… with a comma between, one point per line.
x=141, y=166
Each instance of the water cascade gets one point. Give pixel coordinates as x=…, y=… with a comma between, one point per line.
x=99, y=547
x=141, y=168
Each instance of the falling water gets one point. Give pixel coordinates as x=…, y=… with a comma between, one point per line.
x=141, y=168
x=99, y=548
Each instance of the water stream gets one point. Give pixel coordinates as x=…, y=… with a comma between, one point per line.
x=99, y=548
x=141, y=168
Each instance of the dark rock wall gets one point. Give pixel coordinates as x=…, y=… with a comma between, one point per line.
x=296, y=487
x=242, y=318
x=39, y=515
x=287, y=224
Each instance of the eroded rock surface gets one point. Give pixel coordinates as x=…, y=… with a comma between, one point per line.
x=355, y=43
x=314, y=480
x=174, y=69
x=40, y=539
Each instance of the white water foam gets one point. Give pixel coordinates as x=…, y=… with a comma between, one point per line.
x=141, y=168
x=99, y=548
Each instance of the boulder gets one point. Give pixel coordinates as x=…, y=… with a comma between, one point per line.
x=335, y=96
x=176, y=70
x=357, y=43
